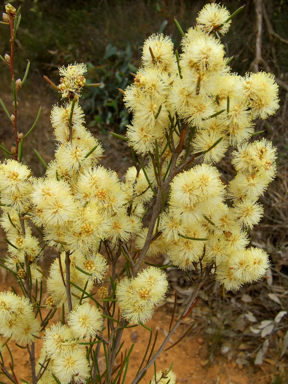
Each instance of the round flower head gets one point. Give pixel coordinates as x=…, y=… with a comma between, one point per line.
x=96, y=265
x=212, y=17
x=60, y=117
x=158, y=52
x=17, y=318
x=85, y=321
x=247, y=213
x=205, y=140
x=197, y=184
x=259, y=155
x=187, y=249
x=53, y=198
x=202, y=53
x=142, y=137
x=73, y=366
x=164, y=377
x=16, y=186
x=59, y=341
x=134, y=308
x=153, y=83
x=245, y=266
x=72, y=80
x=138, y=297
x=261, y=92
x=101, y=186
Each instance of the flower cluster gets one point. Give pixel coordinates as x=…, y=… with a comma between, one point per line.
x=17, y=319
x=187, y=111
x=195, y=103
x=138, y=297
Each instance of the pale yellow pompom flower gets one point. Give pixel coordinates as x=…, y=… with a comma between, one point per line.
x=138, y=297
x=248, y=265
x=86, y=321
x=185, y=251
x=72, y=79
x=223, y=218
x=60, y=122
x=259, y=155
x=101, y=186
x=134, y=308
x=147, y=110
x=142, y=137
x=96, y=265
x=73, y=366
x=205, y=140
x=202, y=52
x=54, y=200
x=197, y=184
x=153, y=83
x=261, y=91
x=170, y=225
x=59, y=341
x=164, y=377
x=212, y=17
x=162, y=50
x=250, y=185
x=247, y=212
x=16, y=185
x=17, y=319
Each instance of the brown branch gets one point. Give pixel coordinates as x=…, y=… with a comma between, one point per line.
x=5, y=371
x=270, y=29
x=32, y=362
x=282, y=84
x=167, y=338
x=254, y=66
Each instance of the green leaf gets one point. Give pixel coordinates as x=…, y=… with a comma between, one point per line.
x=193, y=238
x=12, y=245
x=145, y=326
x=26, y=73
x=5, y=110
x=20, y=150
x=40, y=158
x=34, y=125
x=90, y=152
x=179, y=27
x=119, y=136
x=163, y=26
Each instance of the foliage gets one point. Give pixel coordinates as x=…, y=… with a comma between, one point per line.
x=113, y=72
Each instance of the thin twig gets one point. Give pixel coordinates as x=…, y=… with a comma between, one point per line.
x=167, y=338
x=68, y=288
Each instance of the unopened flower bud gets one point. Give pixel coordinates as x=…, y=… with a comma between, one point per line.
x=10, y=10
x=13, y=150
x=14, y=104
x=7, y=58
x=12, y=118
x=103, y=292
x=22, y=274
x=5, y=17
x=50, y=302
x=20, y=136
x=18, y=83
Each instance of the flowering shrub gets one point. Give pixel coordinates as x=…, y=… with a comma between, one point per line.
x=187, y=111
